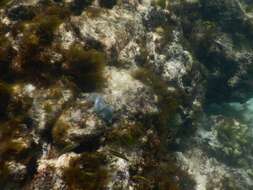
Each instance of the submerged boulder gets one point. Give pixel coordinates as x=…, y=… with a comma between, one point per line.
x=78, y=125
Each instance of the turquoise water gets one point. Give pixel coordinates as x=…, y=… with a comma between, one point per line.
x=236, y=110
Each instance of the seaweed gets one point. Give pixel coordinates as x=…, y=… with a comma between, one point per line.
x=94, y=12
x=85, y=67
x=46, y=28
x=164, y=123
x=48, y=21
x=87, y=172
x=37, y=38
x=58, y=133
x=161, y=3
x=15, y=144
x=169, y=102
x=3, y=3
x=162, y=174
x=127, y=136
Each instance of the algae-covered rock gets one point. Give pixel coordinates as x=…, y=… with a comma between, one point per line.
x=123, y=92
x=235, y=139
x=79, y=125
x=48, y=105
x=87, y=171
x=126, y=94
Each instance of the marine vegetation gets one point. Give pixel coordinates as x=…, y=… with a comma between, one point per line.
x=85, y=67
x=88, y=171
x=126, y=94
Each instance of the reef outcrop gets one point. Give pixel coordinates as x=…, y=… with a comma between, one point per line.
x=126, y=94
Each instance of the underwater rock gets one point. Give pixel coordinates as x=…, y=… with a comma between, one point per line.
x=17, y=172
x=49, y=173
x=123, y=94
x=79, y=124
x=155, y=17
x=12, y=174
x=174, y=64
x=48, y=104
x=117, y=94
x=222, y=153
x=112, y=29
x=239, y=143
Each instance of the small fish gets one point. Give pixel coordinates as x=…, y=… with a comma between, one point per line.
x=89, y=174
x=118, y=154
x=140, y=178
x=69, y=148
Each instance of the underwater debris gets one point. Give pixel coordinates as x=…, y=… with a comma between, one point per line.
x=101, y=108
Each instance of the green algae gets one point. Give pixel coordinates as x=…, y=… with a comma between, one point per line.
x=37, y=36
x=13, y=141
x=16, y=145
x=161, y=3
x=85, y=66
x=59, y=132
x=161, y=175
x=88, y=172
x=94, y=12
x=168, y=102
x=46, y=28
x=3, y=3
x=127, y=135
x=235, y=138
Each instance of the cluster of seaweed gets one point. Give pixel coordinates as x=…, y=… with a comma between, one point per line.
x=35, y=36
x=16, y=144
x=33, y=31
x=157, y=173
x=87, y=172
